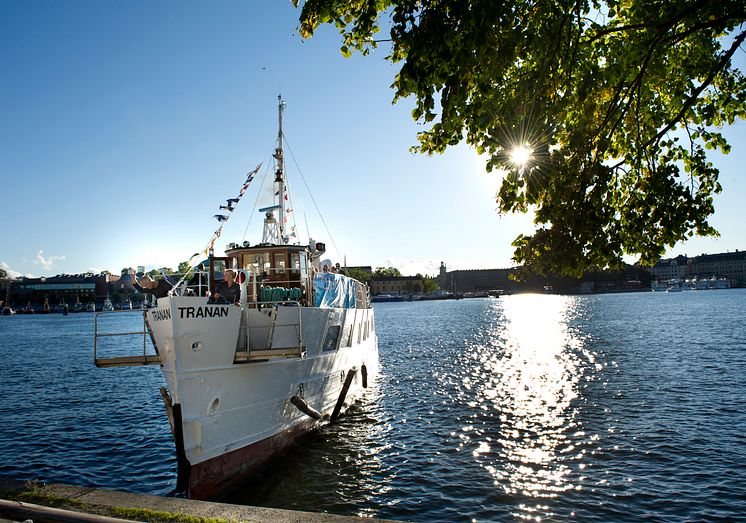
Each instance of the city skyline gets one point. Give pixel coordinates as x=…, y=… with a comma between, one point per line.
x=125, y=128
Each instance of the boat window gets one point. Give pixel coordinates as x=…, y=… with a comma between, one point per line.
x=347, y=336
x=259, y=260
x=303, y=264
x=219, y=266
x=332, y=335
x=280, y=263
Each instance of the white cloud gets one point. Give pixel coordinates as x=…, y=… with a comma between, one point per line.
x=411, y=267
x=11, y=273
x=48, y=262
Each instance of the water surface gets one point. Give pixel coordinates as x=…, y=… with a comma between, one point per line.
x=621, y=407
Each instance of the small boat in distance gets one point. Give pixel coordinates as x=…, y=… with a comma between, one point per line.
x=246, y=380
x=384, y=298
x=108, y=306
x=7, y=311
x=62, y=307
x=77, y=306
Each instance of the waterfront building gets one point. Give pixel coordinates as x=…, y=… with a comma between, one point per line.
x=397, y=285
x=67, y=288
x=671, y=269
x=730, y=265
x=473, y=280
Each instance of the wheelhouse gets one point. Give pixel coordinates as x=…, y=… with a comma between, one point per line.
x=272, y=272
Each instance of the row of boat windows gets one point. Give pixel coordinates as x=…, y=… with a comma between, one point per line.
x=274, y=261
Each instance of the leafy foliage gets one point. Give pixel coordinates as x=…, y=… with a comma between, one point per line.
x=429, y=285
x=614, y=102
x=386, y=272
x=360, y=275
x=185, y=268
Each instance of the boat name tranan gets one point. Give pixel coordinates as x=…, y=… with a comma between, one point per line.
x=161, y=314
x=203, y=312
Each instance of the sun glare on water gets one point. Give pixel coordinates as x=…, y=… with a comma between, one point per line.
x=531, y=366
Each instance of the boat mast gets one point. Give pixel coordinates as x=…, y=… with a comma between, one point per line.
x=280, y=174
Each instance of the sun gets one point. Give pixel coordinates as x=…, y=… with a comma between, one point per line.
x=521, y=155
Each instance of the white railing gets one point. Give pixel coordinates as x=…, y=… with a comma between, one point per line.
x=122, y=361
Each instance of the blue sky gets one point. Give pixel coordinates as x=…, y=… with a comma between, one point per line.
x=123, y=126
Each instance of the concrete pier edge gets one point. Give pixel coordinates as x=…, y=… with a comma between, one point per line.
x=110, y=503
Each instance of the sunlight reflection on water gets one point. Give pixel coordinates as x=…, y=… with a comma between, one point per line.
x=531, y=363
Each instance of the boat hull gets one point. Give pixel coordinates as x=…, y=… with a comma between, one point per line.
x=233, y=372
x=214, y=478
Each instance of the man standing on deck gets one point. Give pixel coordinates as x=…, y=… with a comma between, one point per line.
x=159, y=288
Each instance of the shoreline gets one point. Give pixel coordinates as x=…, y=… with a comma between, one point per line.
x=30, y=497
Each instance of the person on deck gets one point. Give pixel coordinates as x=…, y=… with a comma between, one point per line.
x=158, y=288
x=227, y=290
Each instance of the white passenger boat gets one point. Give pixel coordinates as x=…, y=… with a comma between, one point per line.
x=247, y=380
x=719, y=283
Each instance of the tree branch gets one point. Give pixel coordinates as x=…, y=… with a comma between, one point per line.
x=695, y=94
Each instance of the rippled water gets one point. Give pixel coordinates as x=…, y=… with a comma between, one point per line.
x=595, y=408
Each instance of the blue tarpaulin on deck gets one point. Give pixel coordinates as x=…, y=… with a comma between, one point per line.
x=334, y=290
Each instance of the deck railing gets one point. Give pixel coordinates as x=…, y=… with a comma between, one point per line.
x=123, y=361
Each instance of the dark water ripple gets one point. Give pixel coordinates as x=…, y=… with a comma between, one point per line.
x=542, y=408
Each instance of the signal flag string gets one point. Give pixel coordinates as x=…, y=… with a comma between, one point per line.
x=222, y=219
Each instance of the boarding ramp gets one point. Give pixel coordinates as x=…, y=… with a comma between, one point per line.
x=115, y=332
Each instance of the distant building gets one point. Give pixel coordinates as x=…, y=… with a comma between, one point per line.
x=69, y=288
x=731, y=265
x=396, y=285
x=671, y=269
x=473, y=279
